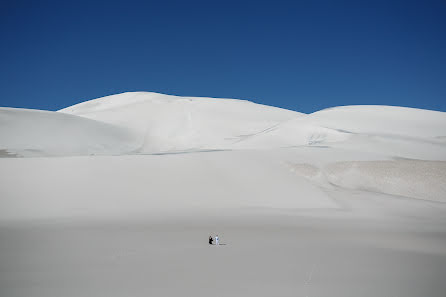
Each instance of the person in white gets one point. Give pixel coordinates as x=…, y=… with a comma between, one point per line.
x=216, y=239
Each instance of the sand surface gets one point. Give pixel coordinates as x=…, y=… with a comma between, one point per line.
x=117, y=196
x=65, y=233
x=268, y=254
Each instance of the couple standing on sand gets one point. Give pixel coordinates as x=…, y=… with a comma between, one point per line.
x=216, y=240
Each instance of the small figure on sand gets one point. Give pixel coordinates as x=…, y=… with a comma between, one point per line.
x=216, y=239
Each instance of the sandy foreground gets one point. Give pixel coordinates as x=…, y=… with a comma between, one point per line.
x=273, y=254
x=139, y=225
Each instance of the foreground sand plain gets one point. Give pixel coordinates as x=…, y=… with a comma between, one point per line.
x=138, y=226
x=268, y=254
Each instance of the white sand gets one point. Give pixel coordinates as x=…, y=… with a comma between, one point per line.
x=326, y=204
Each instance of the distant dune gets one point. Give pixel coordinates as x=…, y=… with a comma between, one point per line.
x=141, y=123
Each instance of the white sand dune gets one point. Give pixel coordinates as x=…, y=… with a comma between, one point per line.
x=147, y=186
x=28, y=132
x=172, y=123
x=141, y=122
x=383, y=120
x=416, y=179
x=117, y=196
x=386, y=130
x=409, y=178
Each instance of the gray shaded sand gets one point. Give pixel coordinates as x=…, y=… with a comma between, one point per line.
x=275, y=254
x=7, y=154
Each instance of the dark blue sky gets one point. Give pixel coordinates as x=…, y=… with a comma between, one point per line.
x=300, y=55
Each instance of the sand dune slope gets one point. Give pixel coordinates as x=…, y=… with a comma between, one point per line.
x=147, y=123
x=384, y=130
x=173, y=123
x=25, y=132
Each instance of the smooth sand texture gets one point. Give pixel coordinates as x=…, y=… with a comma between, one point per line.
x=122, y=192
x=265, y=255
x=151, y=123
x=138, y=226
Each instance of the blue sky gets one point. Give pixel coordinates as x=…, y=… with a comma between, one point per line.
x=300, y=55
